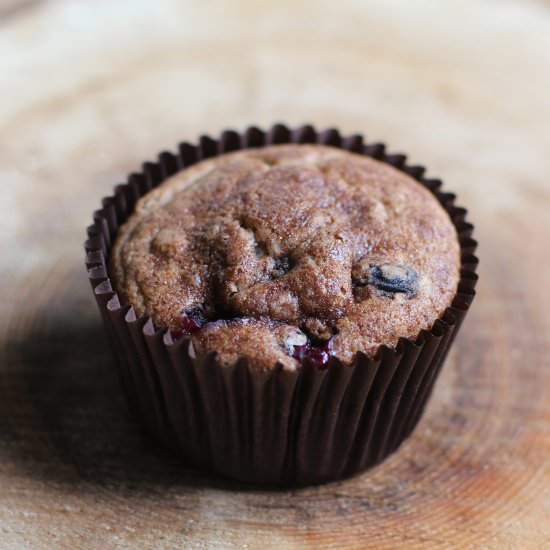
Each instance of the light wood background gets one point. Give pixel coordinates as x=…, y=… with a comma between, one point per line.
x=89, y=89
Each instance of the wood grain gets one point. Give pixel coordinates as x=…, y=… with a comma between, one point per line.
x=89, y=90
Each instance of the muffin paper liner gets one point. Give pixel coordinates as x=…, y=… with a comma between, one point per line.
x=277, y=427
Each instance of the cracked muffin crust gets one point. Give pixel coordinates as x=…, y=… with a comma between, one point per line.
x=287, y=252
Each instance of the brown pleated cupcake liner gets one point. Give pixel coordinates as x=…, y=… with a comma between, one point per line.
x=277, y=427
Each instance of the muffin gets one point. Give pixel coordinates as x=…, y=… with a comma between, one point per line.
x=291, y=303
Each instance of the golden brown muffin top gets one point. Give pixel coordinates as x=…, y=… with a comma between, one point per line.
x=289, y=251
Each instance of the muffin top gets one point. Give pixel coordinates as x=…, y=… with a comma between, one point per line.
x=286, y=252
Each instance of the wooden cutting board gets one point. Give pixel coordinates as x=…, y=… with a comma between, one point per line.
x=91, y=89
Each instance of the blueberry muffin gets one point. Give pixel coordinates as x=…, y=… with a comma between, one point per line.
x=292, y=303
x=288, y=253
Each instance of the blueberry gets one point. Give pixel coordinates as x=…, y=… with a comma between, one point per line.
x=392, y=279
x=281, y=266
x=192, y=320
x=319, y=355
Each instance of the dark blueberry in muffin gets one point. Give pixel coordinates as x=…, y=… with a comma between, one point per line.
x=319, y=355
x=192, y=320
x=394, y=279
x=281, y=266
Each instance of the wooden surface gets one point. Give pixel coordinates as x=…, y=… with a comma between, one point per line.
x=90, y=89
